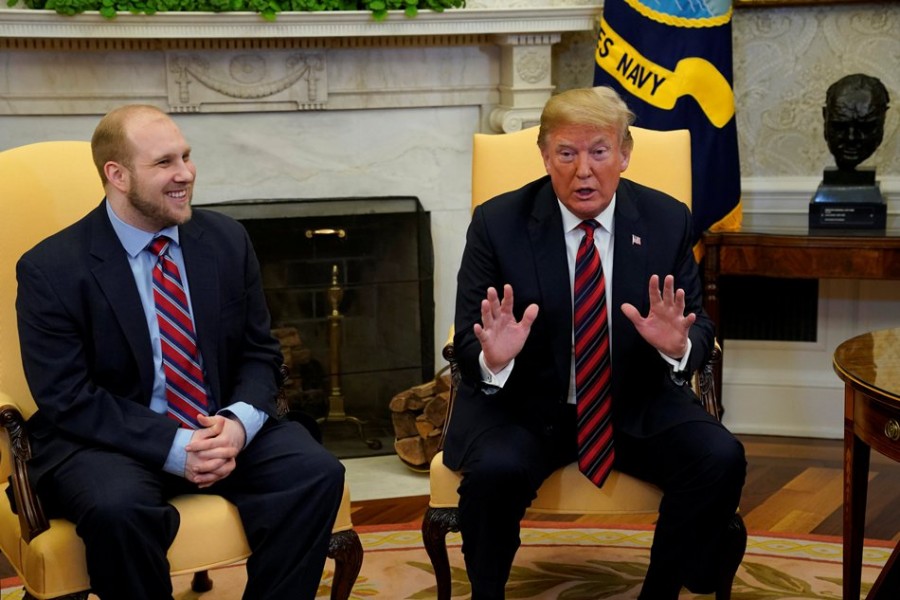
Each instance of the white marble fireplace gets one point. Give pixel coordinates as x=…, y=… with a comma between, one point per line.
x=314, y=105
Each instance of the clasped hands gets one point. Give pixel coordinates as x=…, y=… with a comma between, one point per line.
x=665, y=327
x=213, y=449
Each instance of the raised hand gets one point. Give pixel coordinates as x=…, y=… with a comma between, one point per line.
x=666, y=326
x=501, y=336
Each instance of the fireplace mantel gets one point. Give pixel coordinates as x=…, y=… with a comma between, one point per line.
x=43, y=24
x=499, y=59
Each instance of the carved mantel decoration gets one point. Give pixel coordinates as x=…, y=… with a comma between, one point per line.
x=234, y=79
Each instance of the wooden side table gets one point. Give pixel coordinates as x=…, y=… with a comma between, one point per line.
x=869, y=365
x=797, y=254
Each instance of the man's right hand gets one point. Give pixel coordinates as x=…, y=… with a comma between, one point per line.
x=501, y=336
x=212, y=451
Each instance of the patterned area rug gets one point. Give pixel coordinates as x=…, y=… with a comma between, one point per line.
x=571, y=562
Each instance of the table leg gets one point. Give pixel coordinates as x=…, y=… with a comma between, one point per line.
x=856, y=480
x=711, y=306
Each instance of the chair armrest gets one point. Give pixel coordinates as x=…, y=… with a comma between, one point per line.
x=449, y=354
x=706, y=383
x=281, y=401
x=32, y=520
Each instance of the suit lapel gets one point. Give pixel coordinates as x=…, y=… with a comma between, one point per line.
x=110, y=269
x=545, y=230
x=630, y=276
x=202, y=275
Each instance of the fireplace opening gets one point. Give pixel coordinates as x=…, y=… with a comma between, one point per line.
x=350, y=287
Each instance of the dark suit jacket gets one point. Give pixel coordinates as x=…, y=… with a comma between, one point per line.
x=86, y=346
x=518, y=238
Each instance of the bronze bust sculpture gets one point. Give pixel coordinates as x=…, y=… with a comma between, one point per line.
x=851, y=198
x=854, y=113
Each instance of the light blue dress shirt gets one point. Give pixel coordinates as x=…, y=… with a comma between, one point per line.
x=135, y=241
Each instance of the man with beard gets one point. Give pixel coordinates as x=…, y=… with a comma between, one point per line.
x=854, y=113
x=146, y=344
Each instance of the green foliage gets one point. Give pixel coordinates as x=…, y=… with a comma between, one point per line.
x=268, y=9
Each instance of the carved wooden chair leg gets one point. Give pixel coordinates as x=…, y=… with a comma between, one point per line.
x=735, y=546
x=436, y=524
x=201, y=582
x=347, y=552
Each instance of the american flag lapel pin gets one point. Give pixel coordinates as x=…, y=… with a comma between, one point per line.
x=635, y=240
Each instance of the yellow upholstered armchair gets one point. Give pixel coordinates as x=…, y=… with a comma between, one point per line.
x=43, y=188
x=500, y=163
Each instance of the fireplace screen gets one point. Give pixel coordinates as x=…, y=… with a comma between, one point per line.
x=349, y=283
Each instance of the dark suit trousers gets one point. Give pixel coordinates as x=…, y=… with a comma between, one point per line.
x=502, y=472
x=699, y=465
x=286, y=486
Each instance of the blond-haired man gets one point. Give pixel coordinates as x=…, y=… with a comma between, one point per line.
x=519, y=300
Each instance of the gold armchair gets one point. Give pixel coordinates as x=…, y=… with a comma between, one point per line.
x=43, y=188
x=661, y=159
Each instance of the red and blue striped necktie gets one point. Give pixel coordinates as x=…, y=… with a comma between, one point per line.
x=592, y=362
x=185, y=390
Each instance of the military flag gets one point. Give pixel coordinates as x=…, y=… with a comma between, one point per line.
x=671, y=60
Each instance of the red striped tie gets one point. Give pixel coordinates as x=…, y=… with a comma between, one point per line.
x=592, y=367
x=185, y=391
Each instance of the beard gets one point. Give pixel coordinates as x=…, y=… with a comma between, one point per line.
x=157, y=212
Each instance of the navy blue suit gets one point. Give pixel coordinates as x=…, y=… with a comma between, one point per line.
x=88, y=360
x=508, y=441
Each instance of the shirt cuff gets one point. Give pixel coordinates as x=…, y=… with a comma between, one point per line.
x=497, y=380
x=177, y=458
x=249, y=416
x=678, y=365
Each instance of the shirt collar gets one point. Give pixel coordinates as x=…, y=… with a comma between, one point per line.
x=570, y=221
x=135, y=240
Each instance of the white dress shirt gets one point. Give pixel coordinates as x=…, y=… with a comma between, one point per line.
x=603, y=241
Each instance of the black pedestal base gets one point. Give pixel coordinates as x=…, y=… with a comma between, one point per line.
x=845, y=207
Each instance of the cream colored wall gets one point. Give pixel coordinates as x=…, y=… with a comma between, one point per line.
x=785, y=59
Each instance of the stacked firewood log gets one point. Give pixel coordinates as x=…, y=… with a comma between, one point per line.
x=418, y=416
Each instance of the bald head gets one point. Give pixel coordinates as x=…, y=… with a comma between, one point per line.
x=111, y=140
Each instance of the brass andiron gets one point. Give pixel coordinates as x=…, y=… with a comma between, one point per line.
x=335, y=397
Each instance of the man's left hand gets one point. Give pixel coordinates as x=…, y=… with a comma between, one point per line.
x=666, y=326
x=213, y=449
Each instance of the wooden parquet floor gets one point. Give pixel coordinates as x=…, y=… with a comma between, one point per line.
x=794, y=485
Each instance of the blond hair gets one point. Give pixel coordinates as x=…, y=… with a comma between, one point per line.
x=110, y=140
x=599, y=107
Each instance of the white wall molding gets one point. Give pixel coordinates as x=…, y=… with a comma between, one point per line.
x=784, y=200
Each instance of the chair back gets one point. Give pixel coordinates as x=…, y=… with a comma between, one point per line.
x=505, y=162
x=43, y=188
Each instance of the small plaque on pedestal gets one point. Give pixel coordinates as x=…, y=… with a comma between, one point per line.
x=848, y=200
